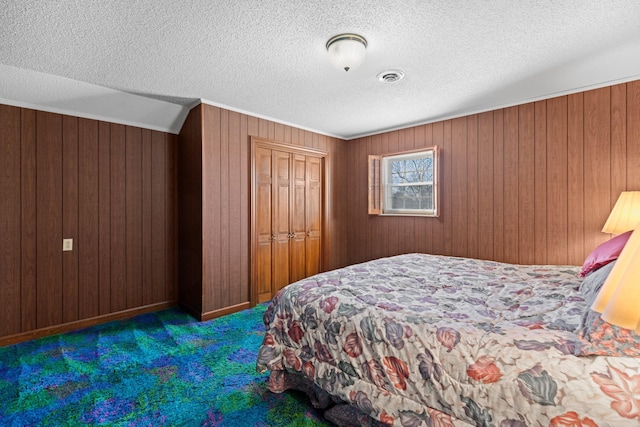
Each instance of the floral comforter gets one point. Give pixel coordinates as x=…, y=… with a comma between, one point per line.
x=424, y=340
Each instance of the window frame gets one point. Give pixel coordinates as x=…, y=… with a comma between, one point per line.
x=379, y=188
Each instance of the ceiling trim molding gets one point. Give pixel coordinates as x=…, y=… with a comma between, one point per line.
x=262, y=116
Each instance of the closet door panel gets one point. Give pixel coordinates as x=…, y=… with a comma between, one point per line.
x=288, y=198
x=298, y=218
x=314, y=216
x=264, y=178
x=281, y=219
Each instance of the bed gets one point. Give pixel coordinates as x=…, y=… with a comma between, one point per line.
x=426, y=340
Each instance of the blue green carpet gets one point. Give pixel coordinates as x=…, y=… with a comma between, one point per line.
x=156, y=369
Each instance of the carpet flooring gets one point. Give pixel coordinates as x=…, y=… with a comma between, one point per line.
x=159, y=369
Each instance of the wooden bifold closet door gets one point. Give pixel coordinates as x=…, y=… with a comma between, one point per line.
x=287, y=206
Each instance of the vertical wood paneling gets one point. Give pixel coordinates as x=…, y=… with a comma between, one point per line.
x=323, y=142
x=252, y=130
x=363, y=221
x=308, y=139
x=28, y=218
x=363, y=218
x=351, y=187
x=459, y=236
x=329, y=216
x=575, y=173
x=70, y=217
x=338, y=206
x=76, y=179
x=278, y=132
x=485, y=185
x=526, y=184
x=272, y=127
x=235, y=287
x=253, y=127
x=540, y=176
x=618, y=142
x=160, y=227
x=88, y=245
x=511, y=185
x=447, y=187
x=133, y=213
x=287, y=133
x=147, y=218
x=219, y=143
x=633, y=135
x=498, y=185
x=104, y=217
x=263, y=128
x=10, y=226
x=557, y=207
x=190, y=181
x=49, y=219
x=472, y=185
x=352, y=207
x=597, y=164
x=224, y=286
x=172, y=223
x=610, y=131
x=118, y=296
x=245, y=205
x=211, y=193
x=295, y=135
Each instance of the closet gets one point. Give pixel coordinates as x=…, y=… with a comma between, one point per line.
x=286, y=215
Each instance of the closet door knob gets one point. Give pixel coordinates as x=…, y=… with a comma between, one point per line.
x=273, y=237
x=309, y=233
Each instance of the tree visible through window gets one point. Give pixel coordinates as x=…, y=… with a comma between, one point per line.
x=408, y=183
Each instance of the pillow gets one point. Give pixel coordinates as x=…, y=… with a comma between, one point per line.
x=591, y=284
x=598, y=337
x=605, y=253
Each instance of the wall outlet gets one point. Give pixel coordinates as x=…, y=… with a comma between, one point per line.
x=67, y=245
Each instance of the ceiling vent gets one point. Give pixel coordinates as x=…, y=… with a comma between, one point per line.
x=390, y=76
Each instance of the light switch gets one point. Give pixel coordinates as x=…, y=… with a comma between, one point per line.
x=67, y=245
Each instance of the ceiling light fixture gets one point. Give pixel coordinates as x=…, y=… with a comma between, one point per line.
x=346, y=51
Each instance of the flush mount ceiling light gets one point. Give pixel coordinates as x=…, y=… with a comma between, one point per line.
x=346, y=51
x=390, y=76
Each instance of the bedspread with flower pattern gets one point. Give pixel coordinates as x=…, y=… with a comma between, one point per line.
x=424, y=340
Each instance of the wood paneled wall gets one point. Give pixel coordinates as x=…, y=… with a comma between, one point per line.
x=112, y=189
x=527, y=184
x=214, y=143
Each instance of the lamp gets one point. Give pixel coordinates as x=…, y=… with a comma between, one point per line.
x=625, y=215
x=619, y=297
x=346, y=51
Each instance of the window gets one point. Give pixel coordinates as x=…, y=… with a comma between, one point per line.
x=404, y=183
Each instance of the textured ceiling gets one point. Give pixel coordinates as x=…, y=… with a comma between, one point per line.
x=145, y=62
